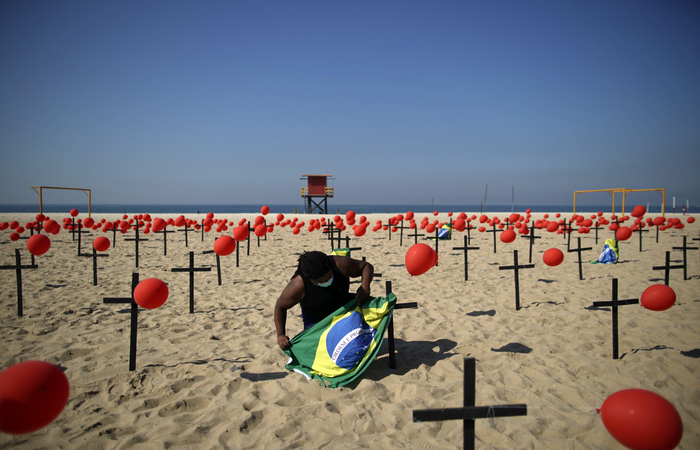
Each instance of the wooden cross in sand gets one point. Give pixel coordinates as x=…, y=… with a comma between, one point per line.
x=390, y=328
x=668, y=267
x=580, y=260
x=494, y=231
x=615, y=303
x=531, y=236
x=192, y=269
x=685, y=248
x=134, y=318
x=469, y=413
x=136, y=240
x=94, y=257
x=165, y=232
x=515, y=267
x=80, y=232
x=596, y=228
x=640, y=230
x=437, y=240
x=187, y=230
x=415, y=235
x=17, y=267
x=466, y=249
x=218, y=263
x=401, y=227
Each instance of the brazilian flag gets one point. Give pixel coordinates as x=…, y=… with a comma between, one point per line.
x=340, y=347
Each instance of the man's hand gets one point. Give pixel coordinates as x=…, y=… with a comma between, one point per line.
x=361, y=295
x=283, y=342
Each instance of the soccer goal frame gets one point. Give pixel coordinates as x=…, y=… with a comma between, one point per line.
x=624, y=193
x=40, y=191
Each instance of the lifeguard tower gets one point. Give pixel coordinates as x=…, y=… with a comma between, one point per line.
x=316, y=189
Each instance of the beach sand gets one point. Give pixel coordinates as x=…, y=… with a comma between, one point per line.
x=216, y=378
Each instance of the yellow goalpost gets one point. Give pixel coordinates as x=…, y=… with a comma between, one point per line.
x=87, y=192
x=624, y=193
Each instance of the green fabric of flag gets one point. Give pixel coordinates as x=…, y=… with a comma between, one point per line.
x=339, y=348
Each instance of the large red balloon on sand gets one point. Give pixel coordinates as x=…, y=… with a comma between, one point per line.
x=224, y=245
x=151, y=293
x=642, y=420
x=101, y=243
x=240, y=233
x=260, y=230
x=508, y=236
x=553, y=257
x=623, y=233
x=38, y=244
x=32, y=395
x=158, y=224
x=264, y=210
x=658, y=297
x=420, y=258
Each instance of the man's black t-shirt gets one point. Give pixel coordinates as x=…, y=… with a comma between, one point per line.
x=320, y=302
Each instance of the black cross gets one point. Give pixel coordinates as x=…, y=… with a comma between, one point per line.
x=401, y=227
x=76, y=228
x=415, y=235
x=437, y=240
x=516, y=268
x=114, y=235
x=136, y=241
x=640, y=231
x=18, y=268
x=668, y=267
x=494, y=231
x=187, y=230
x=580, y=259
x=218, y=263
x=192, y=269
x=531, y=236
x=615, y=303
x=80, y=232
x=390, y=329
x=469, y=412
x=94, y=257
x=134, y=318
x=389, y=225
x=696, y=239
x=596, y=228
x=685, y=248
x=466, y=249
x=165, y=232
x=347, y=245
x=329, y=230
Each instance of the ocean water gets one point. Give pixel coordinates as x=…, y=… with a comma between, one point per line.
x=332, y=209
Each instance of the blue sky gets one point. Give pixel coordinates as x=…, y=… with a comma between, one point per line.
x=403, y=102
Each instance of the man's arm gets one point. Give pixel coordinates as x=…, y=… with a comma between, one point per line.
x=291, y=295
x=353, y=268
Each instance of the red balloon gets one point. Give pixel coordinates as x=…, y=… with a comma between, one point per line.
x=240, y=233
x=642, y=420
x=101, y=243
x=32, y=395
x=38, y=244
x=260, y=230
x=180, y=221
x=553, y=257
x=623, y=233
x=360, y=230
x=552, y=227
x=14, y=236
x=638, y=211
x=350, y=215
x=74, y=212
x=691, y=219
x=658, y=297
x=409, y=215
x=280, y=217
x=508, y=236
x=151, y=293
x=264, y=210
x=420, y=258
x=224, y=245
x=89, y=222
x=158, y=224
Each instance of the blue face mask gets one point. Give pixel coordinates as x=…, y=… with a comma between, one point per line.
x=327, y=283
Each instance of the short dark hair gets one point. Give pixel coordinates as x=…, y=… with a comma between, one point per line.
x=313, y=265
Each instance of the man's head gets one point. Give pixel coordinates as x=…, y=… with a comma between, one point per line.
x=315, y=266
